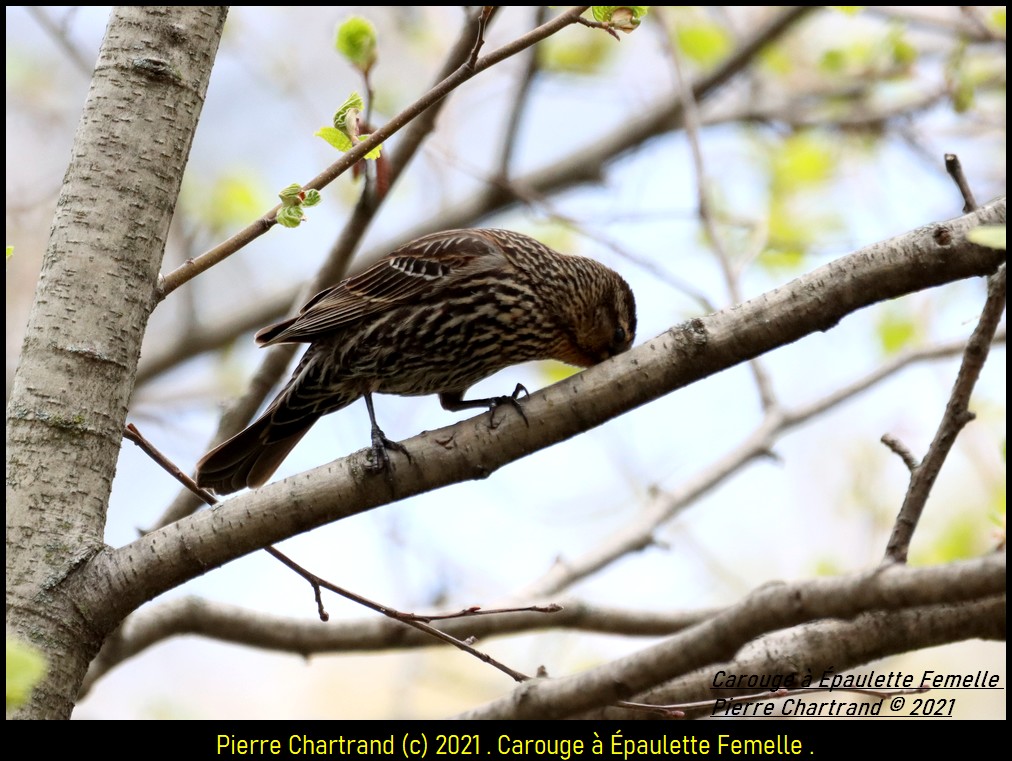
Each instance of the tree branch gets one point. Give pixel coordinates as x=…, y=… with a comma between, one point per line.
x=772, y=607
x=116, y=582
x=831, y=647
x=219, y=253
x=957, y=415
x=583, y=165
x=230, y=623
x=665, y=505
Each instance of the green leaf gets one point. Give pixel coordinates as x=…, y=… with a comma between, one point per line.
x=356, y=40
x=900, y=49
x=833, y=61
x=963, y=537
x=339, y=140
x=343, y=135
x=896, y=331
x=290, y=216
x=292, y=195
x=349, y=111
x=776, y=60
x=312, y=197
x=575, y=54
x=10, y=251
x=624, y=18
x=335, y=137
x=992, y=236
x=232, y=198
x=25, y=668
x=553, y=371
x=237, y=198
x=802, y=160
x=827, y=567
x=963, y=96
x=997, y=19
x=705, y=43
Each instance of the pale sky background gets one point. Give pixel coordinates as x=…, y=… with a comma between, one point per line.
x=826, y=504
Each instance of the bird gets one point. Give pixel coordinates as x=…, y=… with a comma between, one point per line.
x=434, y=316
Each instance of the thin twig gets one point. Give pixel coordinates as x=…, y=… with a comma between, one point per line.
x=665, y=505
x=955, y=169
x=277, y=359
x=957, y=411
x=900, y=449
x=600, y=25
x=418, y=622
x=691, y=121
x=59, y=34
x=205, y=261
x=957, y=414
x=520, y=101
x=483, y=18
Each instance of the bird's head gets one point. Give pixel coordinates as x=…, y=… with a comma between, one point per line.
x=604, y=322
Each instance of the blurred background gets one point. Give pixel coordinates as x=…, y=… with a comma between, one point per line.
x=830, y=139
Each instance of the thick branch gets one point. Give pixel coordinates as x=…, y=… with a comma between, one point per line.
x=665, y=505
x=832, y=647
x=118, y=581
x=775, y=606
x=230, y=623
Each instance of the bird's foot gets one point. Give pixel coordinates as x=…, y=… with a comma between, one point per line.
x=513, y=400
x=381, y=448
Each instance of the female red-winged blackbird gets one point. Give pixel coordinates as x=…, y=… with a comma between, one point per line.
x=435, y=316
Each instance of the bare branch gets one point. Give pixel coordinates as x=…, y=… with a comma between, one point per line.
x=665, y=505
x=955, y=169
x=816, y=301
x=520, y=100
x=901, y=450
x=957, y=414
x=418, y=622
x=705, y=211
x=829, y=648
x=772, y=607
x=229, y=623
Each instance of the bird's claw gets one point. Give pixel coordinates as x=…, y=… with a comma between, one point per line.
x=381, y=447
x=513, y=400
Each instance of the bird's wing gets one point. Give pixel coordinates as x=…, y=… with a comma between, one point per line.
x=413, y=270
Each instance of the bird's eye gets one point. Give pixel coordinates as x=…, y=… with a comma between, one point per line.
x=619, y=335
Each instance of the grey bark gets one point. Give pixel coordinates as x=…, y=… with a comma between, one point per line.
x=98, y=285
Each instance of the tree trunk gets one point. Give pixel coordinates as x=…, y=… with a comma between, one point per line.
x=98, y=285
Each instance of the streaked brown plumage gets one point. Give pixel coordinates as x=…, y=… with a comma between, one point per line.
x=435, y=316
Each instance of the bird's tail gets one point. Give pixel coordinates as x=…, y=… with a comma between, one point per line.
x=250, y=457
